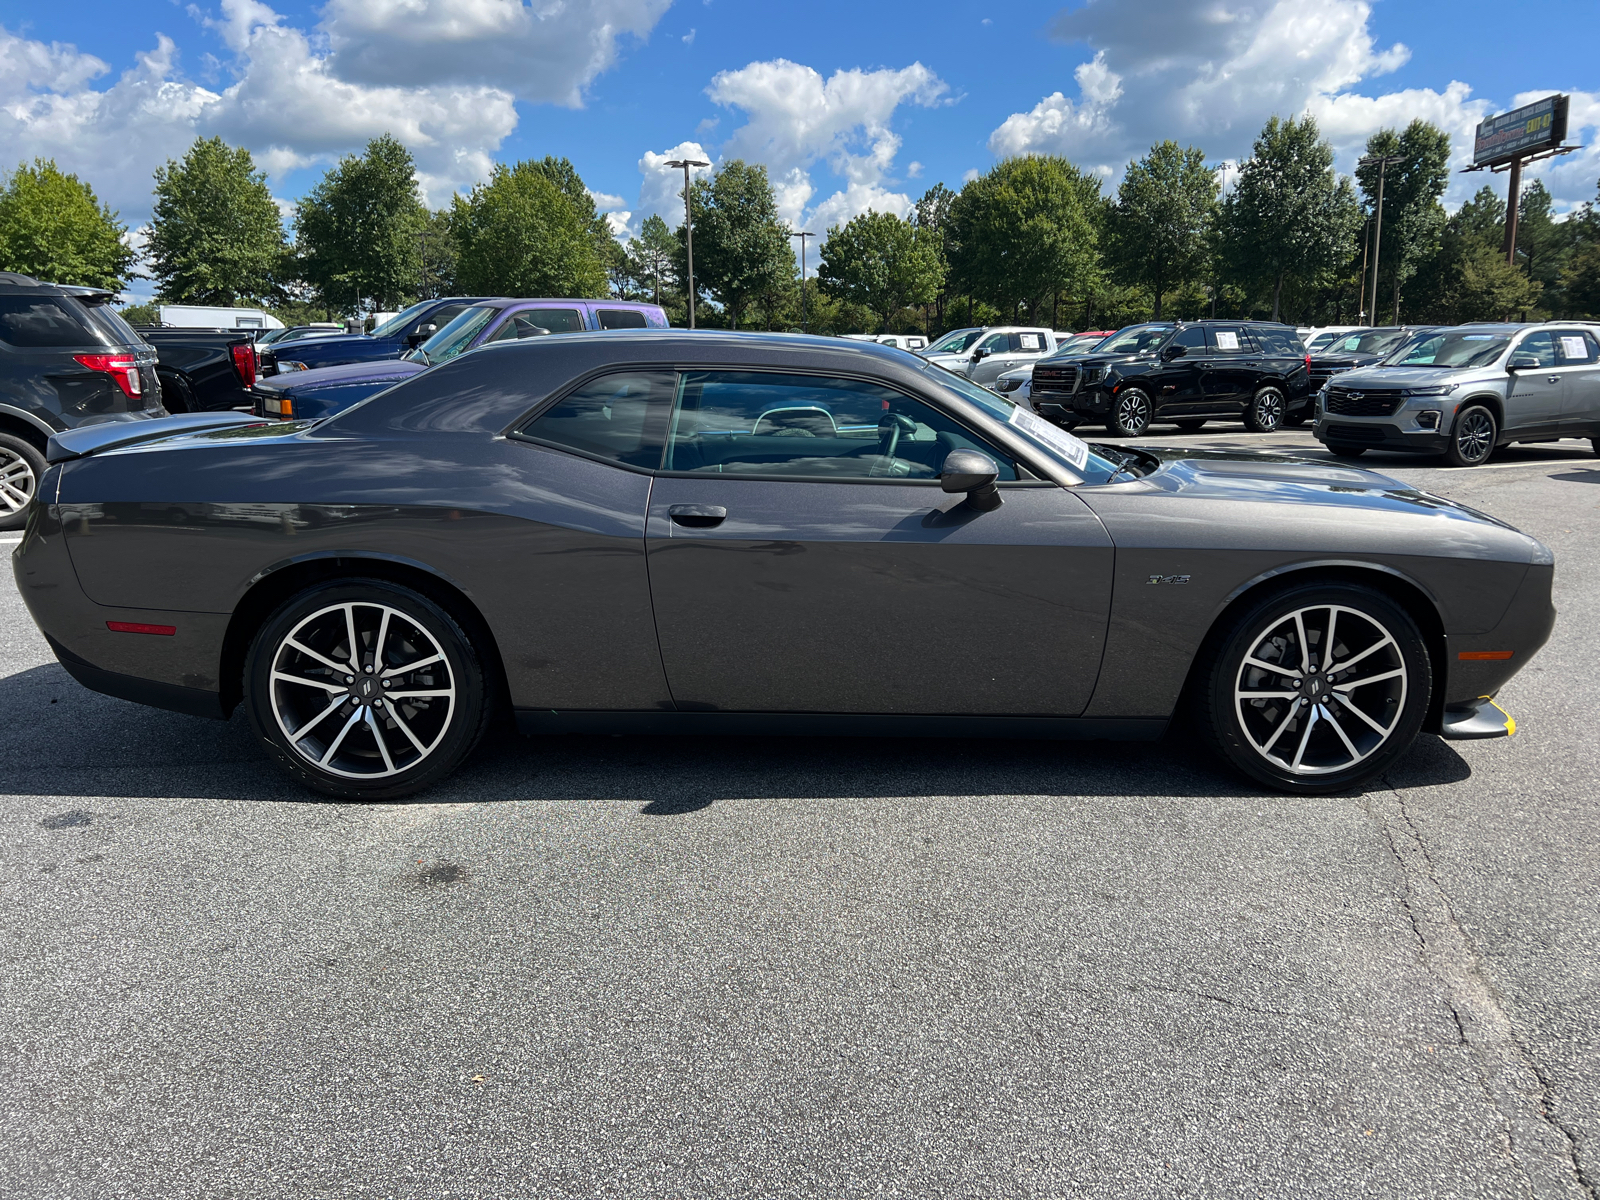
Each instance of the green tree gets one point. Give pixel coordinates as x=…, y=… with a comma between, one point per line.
x=216, y=235
x=1159, y=224
x=932, y=219
x=1291, y=218
x=1025, y=231
x=1413, y=221
x=356, y=233
x=1580, y=282
x=438, y=255
x=141, y=314
x=741, y=250
x=1543, y=244
x=53, y=228
x=521, y=235
x=650, y=258
x=880, y=262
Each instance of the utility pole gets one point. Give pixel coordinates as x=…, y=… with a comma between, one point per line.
x=1382, y=162
x=802, y=236
x=688, y=222
x=1361, y=294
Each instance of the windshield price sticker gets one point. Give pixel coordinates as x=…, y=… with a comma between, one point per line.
x=1030, y=341
x=1227, y=340
x=1574, y=349
x=1063, y=444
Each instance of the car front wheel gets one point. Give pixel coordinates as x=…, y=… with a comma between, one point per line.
x=1474, y=438
x=365, y=690
x=21, y=468
x=1318, y=688
x=1130, y=413
x=1265, y=412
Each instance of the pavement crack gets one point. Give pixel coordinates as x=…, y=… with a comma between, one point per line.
x=1548, y=1152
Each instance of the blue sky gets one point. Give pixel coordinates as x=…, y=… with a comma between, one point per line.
x=850, y=105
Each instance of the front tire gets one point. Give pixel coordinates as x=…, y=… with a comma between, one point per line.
x=1131, y=411
x=1474, y=438
x=365, y=690
x=1265, y=411
x=1318, y=688
x=21, y=469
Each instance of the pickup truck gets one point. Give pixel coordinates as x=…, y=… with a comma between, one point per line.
x=394, y=337
x=203, y=370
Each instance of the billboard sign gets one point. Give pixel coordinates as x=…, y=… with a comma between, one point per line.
x=1541, y=125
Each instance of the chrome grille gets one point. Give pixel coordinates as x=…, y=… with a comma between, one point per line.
x=1321, y=374
x=1059, y=381
x=1363, y=402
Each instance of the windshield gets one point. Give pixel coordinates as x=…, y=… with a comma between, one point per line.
x=1372, y=341
x=955, y=343
x=1452, y=348
x=454, y=337
x=1135, y=339
x=1053, y=442
x=399, y=321
x=1081, y=344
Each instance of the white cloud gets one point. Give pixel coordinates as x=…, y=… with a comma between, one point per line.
x=914, y=170
x=661, y=189
x=688, y=38
x=605, y=201
x=546, y=51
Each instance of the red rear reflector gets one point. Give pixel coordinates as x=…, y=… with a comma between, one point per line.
x=1484, y=655
x=141, y=627
x=124, y=368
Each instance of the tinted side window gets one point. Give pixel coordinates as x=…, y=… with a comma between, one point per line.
x=1230, y=339
x=1192, y=339
x=518, y=325
x=1541, y=345
x=811, y=427
x=620, y=318
x=556, y=320
x=443, y=316
x=32, y=323
x=1280, y=343
x=996, y=343
x=619, y=417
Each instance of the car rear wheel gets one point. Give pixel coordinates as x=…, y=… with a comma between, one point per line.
x=1265, y=411
x=1190, y=426
x=1474, y=438
x=1318, y=688
x=365, y=690
x=21, y=469
x=1130, y=413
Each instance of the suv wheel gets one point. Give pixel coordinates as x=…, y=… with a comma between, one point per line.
x=21, y=469
x=1474, y=438
x=1265, y=411
x=365, y=690
x=1318, y=688
x=1130, y=413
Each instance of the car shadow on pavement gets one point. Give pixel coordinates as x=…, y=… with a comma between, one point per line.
x=66, y=741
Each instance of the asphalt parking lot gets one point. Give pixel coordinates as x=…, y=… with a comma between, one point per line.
x=650, y=967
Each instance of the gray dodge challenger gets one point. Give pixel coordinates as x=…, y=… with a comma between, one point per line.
x=672, y=532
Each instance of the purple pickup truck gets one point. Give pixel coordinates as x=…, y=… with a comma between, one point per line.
x=321, y=392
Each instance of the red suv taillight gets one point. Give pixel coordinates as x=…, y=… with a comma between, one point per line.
x=124, y=368
x=244, y=362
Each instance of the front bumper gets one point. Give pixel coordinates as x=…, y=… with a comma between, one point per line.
x=1378, y=434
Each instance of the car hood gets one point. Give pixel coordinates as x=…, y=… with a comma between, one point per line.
x=384, y=371
x=1346, y=361
x=1402, y=377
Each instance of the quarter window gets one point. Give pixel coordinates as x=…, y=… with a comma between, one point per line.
x=33, y=324
x=556, y=320
x=810, y=427
x=620, y=418
x=621, y=318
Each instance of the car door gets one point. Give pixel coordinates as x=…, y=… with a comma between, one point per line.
x=803, y=558
x=1175, y=385
x=996, y=359
x=1534, y=394
x=1232, y=364
x=1579, y=354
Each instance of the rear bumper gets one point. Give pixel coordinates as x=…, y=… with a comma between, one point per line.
x=1483, y=718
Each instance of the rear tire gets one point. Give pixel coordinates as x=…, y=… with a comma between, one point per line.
x=1473, y=441
x=22, y=466
x=1315, y=725
x=175, y=394
x=1191, y=426
x=1131, y=411
x=1264, y=414
x=404, y=715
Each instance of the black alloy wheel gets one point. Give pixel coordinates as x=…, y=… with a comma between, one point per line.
x=1265, y=411
x=1194, y=426
x=1130, y=413
x=21, y=469
x=1474, y=438
x=365, y=690
x=1317, y=688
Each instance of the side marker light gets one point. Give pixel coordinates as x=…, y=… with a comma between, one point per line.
x=1484, y=655
x=141, y=627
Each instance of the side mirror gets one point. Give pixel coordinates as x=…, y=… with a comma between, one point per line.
x=1172, y=352
x=977, y=355
x=974, y=473
x=1522, y=362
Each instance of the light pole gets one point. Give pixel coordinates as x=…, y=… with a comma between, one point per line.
x=1381, y=161
x=688, y=222
x=802, y=237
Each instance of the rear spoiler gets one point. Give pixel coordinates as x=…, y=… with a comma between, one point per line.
x=110, y=435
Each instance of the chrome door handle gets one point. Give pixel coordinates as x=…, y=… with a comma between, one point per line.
x=1553, y=379
x=697, y=516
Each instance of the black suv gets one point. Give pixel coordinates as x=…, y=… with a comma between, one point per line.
x=67, y=358
x=1183, y=372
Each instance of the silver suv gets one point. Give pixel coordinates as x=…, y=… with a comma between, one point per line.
x=1464, y=390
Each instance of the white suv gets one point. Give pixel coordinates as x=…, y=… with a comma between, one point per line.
x=982, y=355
